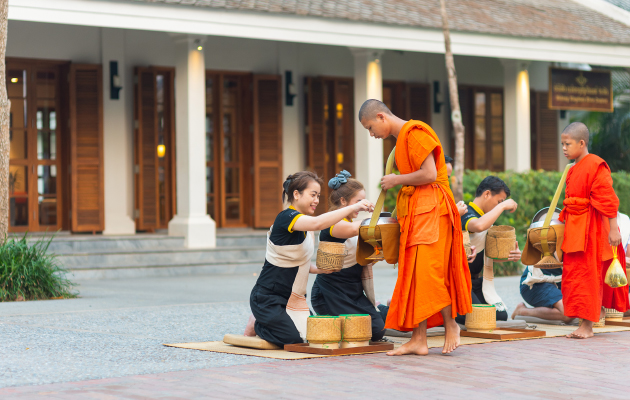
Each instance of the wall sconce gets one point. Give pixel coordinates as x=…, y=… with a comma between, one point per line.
x=290, y=91
x=198, y=44
x=115, y=84
x=436, y=91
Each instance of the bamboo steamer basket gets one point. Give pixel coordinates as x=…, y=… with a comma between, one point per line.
x=613, y=315
x=357, y=330
x=467, y=244
x=500, y=241
x=323, y=331
x=483, y=318
x=330, y=256
x=600, y=324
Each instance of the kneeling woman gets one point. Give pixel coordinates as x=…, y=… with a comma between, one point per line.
x=351, y=290
x=278, y=300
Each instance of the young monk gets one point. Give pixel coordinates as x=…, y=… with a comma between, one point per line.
x=278, y=299
x=351, y=290
x=590, y=216
x=491, y=200
x=617, y=298
x=433, y=283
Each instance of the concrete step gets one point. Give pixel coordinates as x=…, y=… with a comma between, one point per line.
x=250, y=239
x=71, y=244
x=114, y=258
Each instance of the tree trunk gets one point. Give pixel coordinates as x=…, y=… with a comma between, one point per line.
x=457, y=179
x=4, y=125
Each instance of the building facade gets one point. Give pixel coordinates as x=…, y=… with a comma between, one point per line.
x=132, y=116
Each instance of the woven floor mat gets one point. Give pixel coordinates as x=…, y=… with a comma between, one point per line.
x=434, y=341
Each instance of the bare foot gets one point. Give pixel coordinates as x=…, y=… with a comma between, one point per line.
x=416, y=347
x=584, y=331
x=451, y=336
x=249, y=329
x=517, y=310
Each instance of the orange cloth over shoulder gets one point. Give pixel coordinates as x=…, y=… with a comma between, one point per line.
x=589, y=197
x=432, y=264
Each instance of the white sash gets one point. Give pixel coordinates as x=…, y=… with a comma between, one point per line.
x=535, y=275
x=289, y=257
x=478, y=239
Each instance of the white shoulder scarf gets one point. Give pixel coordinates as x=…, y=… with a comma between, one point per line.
x=478, y=239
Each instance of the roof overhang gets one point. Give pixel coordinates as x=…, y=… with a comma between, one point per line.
x=300, y=29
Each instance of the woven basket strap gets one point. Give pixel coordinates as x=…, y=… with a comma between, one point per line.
x=552, y=209
x=381, y=199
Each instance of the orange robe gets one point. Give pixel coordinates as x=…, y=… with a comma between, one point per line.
x=432, y=264
x=589, y=196
x=616, y=298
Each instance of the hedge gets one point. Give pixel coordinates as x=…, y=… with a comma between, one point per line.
x=532, y=191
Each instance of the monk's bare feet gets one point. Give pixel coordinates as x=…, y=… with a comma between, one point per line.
x=412, y=347
x=584, y=331
x=451, y=336
x=249, y=329
x=518, y=309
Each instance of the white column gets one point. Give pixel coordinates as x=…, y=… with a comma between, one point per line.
x=562, y=123
x=192, y=220
x=368, y=84
x=293, y=155
x=117, y=139
x=516, y=115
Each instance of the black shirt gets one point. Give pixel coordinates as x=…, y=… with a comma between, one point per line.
x=474, y=212
x=325, y=235
x=280, y=280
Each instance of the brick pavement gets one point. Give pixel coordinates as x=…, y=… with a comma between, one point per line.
x=555, y=368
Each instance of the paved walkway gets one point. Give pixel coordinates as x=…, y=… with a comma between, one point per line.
x=555, y=368
x=108, y=344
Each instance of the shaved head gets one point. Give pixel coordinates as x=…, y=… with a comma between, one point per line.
x=370, y=108
x=577, y=131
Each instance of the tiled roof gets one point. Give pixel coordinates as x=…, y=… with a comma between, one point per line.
x=553, y=19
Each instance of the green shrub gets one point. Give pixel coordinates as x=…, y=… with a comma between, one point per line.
x=29, y=272
x=532, y=191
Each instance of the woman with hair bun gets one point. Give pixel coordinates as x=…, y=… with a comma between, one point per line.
x=351, y=290
x=278, y=300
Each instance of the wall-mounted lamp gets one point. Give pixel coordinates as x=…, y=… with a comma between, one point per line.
x=290, y=91
x=436, y=91
x=14, y=80
x=563, y=114
x=115, y=84
x=161, y=150
x=198, y=44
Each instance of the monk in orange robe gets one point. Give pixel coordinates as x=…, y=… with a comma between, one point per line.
x=590, y=215
x=433, y=283
x=616, y=298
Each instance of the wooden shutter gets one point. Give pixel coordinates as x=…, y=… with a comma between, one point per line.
x=86, y=148
x=419, y=102
x=146, y=159
x=544, y=134
x=267, y=149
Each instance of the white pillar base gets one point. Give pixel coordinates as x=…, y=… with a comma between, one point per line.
x=199, y=231
x=119, y=225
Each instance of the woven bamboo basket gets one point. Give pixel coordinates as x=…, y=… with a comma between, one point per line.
x=467, y=244
x=600, y=324
x=330, y=256
x=534, y=236
x=357, y=330
x=500, y=241
x=613, y=315
x=483, y=318
x=323, y=331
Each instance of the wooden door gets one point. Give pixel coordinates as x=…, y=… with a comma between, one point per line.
x=86, y=148
x=229, y=149
x=35, y=179
x=418, y=102
x=544, y=133
x=267, y=149
x=330, y=129
x=154, y=147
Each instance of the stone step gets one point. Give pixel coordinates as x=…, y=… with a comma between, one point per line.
x=159, y=257
x=71, y=244
x=254, y=240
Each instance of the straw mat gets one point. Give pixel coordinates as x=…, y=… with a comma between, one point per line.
x=434, y=341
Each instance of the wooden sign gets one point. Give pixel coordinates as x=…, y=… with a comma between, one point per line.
x=571, y=89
